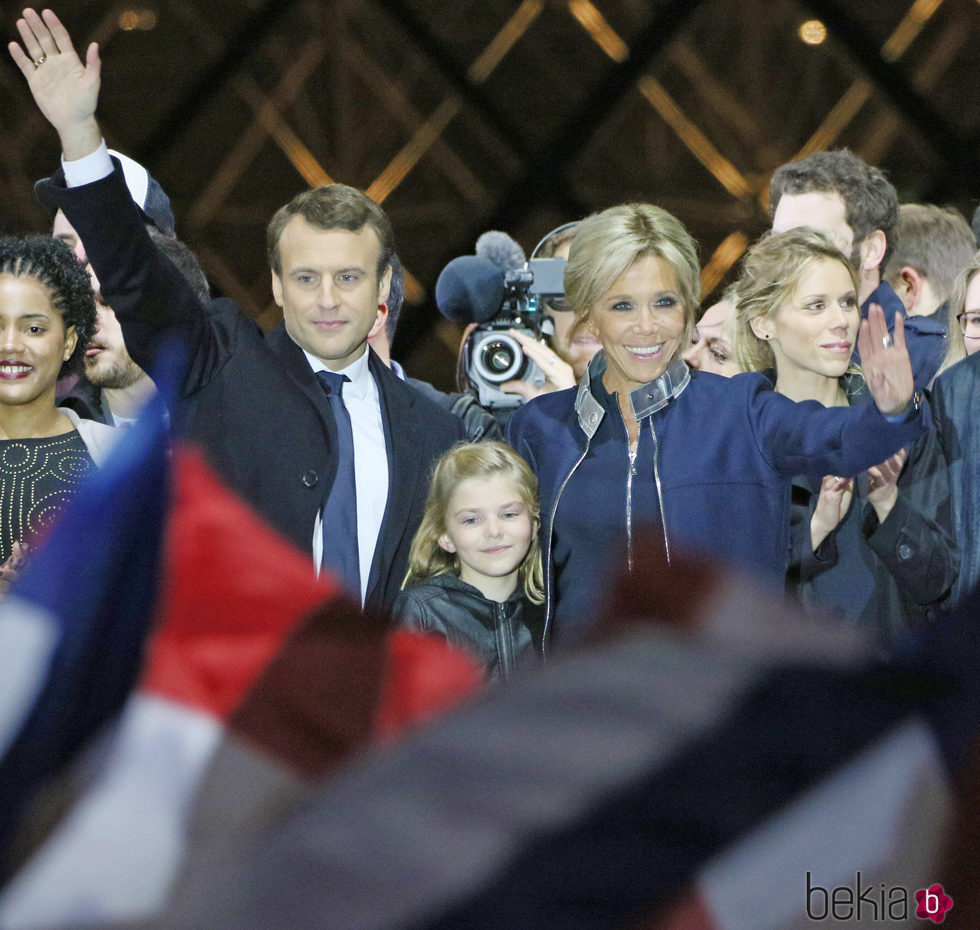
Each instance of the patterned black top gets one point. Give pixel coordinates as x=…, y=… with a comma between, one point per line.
x=38, y=477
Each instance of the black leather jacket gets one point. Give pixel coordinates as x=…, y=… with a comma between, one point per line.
x=480, y=424
x=501, y=636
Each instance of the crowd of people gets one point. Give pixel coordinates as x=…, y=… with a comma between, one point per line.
x=812, y=429
x=785, y=430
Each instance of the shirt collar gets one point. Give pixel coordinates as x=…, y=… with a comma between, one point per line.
x=358, y=371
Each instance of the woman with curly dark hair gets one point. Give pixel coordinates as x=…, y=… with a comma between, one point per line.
x=47, y=317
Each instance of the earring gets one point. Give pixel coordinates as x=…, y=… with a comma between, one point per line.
x=768, y=336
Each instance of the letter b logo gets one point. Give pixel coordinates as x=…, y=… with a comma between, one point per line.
x=932, y=903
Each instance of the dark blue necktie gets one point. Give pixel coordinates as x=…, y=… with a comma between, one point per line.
x=340, y=514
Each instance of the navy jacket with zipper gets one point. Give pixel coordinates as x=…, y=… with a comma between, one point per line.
x=725, y=450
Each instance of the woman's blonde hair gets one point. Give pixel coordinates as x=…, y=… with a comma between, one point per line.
x=771, y=271
x=464, y=461
x=956, y=345
x=607, y=243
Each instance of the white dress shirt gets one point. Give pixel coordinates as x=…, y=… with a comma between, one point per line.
x=93, y=167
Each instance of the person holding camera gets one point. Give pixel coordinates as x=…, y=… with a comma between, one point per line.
x=566, y=354
x=706, y=460
x=520, y=340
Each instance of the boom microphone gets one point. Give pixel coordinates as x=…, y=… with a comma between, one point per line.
x=470, y=289
x=502, y=250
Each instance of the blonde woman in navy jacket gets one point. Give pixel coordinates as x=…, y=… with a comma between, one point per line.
x=877, y=551
x=643, y=440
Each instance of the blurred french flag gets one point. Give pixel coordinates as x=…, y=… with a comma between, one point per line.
x=73, y=627
x=185, y=667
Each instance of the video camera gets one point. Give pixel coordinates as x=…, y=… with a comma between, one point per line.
x=475, y=289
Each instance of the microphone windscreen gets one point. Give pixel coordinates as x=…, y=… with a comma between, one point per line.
x=501, y=249
x=470, y=290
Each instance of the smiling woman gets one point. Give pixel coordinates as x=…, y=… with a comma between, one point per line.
x=704, y=460
x=877, y=549
x=47, y=316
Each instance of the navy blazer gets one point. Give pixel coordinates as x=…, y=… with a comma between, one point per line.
x=250, y=400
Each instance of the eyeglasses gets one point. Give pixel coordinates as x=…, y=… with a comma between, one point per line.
x=970, y=323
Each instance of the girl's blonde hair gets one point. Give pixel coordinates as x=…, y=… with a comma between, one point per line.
x=464, y=461
x=956, y=346
x=771, y=271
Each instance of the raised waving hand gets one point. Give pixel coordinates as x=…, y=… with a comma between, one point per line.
x=885, y=362
x=65, y=88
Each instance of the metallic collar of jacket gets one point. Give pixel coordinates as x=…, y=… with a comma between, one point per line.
x=651, y=397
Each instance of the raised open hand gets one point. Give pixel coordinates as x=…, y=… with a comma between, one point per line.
x=65, y=88
x=885, y=362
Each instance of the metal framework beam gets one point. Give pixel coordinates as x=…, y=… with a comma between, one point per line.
x=958, y=153
x=544, y=182
x=211, y=81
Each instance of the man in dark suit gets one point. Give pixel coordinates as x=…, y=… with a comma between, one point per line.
x=339, y=468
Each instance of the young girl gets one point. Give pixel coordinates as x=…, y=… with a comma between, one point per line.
x=474, y=573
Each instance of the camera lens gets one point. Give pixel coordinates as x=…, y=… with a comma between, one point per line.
x=497, y=357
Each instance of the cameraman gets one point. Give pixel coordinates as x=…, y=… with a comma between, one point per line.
x=569, y=351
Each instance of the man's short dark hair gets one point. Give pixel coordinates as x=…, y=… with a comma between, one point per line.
x=184, y=260
x=53, y=263
x=333, y=206
x=396, y=297
x=936, y=241
x=870, y=200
